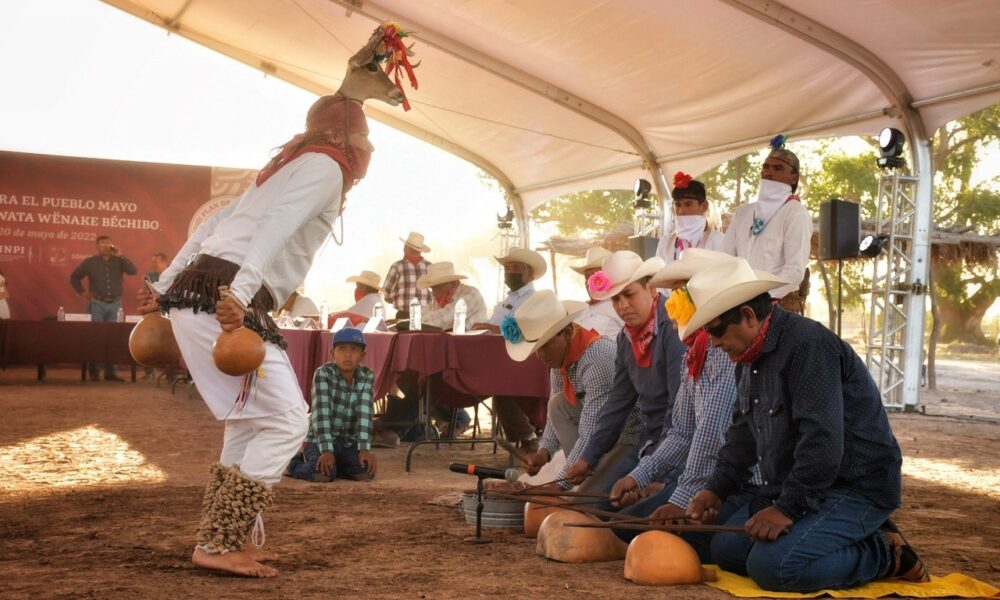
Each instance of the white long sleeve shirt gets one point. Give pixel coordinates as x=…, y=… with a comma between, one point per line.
x=365, y=306
x=272, y=231
x=444, y=317
x=665, y=249
x=508, y=305
x=781, y=249
x=602, y=318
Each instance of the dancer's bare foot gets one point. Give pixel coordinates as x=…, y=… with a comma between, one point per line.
x=259, y=554
x=237, y=563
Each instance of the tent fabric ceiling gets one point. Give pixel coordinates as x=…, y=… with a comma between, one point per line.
x=563, y=95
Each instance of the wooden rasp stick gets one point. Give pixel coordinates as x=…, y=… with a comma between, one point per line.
x=528, y=489
x=563, y=494
x=692, y=527
x=566, y=504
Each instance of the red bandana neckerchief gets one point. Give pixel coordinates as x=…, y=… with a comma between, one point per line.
x=444, y=298
x=414, y=260
x=641, y=338
x=582, y=339
x=753, y=350
x=697, y=344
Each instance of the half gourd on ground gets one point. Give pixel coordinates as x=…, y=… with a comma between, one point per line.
x=577, y=544
x=661, y=558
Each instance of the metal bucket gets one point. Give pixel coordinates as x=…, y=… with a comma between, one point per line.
x=496, y=512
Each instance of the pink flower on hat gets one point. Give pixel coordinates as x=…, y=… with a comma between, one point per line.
x=599, y=282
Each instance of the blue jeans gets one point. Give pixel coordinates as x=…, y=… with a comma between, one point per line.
x=103, y=312
x=346, y=462
x=838, y=546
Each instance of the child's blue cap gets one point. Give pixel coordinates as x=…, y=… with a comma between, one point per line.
x=348, y=335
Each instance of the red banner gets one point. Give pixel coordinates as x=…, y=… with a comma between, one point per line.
x=53, y=208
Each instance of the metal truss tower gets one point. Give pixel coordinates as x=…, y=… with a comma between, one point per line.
x=895, y=285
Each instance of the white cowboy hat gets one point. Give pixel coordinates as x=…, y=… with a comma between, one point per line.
x=437, y=273
x=540, y=318
x=691, y=262
x=716, y=290
x=528, y=257
x=369, y=278
x=595, y=258
x=416, y=241
x=621, y=269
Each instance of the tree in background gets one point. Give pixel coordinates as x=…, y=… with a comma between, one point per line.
x=966, y=291
x=590, y=212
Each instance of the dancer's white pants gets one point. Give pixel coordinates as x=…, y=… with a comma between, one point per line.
x=263, y=435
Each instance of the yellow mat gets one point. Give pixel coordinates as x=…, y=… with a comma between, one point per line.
x=954, y=585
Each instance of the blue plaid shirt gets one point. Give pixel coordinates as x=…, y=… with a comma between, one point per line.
x=697, y=428
x=591, y=376
x=808, y=412
x=341, y=411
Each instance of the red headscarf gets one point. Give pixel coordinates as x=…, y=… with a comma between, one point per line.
x=697, y=344
x=329, y=125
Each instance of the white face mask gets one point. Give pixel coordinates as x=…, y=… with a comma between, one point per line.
x=691, y=228
x=770, y=196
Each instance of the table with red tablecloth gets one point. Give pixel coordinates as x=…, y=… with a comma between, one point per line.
x=61, y=342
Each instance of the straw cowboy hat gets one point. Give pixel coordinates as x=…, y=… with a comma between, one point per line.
x=622, y=268
x=729, y=284
x=595, y=258
x=529, y=257
x=539, y=319
x=368, y=278
x=415, y=241
x=437, y=273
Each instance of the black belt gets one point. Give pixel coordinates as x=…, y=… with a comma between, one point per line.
x=107, y=299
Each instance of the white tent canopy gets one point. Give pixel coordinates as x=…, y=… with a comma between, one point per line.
x=563, y=95
x=556, y=96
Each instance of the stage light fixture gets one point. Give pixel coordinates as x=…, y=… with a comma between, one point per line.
x=890, y=142
x=641, y=190
x=871, y=245
x=506, y=221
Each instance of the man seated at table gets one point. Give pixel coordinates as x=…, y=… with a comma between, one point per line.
x=648, y=365
x=298, y=305
x=366, y=293
x=599, y=315
x=582, y=364
x=521, y=268
x=340, y=423
x=809, y=415
x=446, y=289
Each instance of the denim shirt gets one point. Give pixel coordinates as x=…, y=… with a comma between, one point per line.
x=809, y=414
x=653, y=388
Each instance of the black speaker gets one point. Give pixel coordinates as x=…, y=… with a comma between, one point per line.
x=643, y=245
x=839, y=229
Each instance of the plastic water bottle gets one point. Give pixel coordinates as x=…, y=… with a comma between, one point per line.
x=120, y=317
x=415, y=322
x=378, y=311
x=460, y=310
x=61, y=315
x=324, y=316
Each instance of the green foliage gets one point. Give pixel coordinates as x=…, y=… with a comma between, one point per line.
x=851, y=178
x=589, y=212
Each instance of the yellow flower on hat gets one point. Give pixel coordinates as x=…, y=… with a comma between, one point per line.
x=679, y=306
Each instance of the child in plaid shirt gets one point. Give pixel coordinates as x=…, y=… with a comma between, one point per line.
x=340, y=426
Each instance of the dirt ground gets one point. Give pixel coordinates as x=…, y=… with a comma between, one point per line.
x=100, y=488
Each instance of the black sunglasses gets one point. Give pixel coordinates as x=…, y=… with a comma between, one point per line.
x=717, y=331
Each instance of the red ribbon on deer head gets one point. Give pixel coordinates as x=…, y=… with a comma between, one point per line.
x=396, y=55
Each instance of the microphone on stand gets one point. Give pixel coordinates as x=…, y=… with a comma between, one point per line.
x=510, y=475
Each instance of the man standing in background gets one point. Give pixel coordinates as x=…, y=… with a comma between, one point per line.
x=104, y=272
x=158, y=265
x=401, y=280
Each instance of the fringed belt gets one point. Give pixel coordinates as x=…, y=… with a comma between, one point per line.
x=197, y=288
